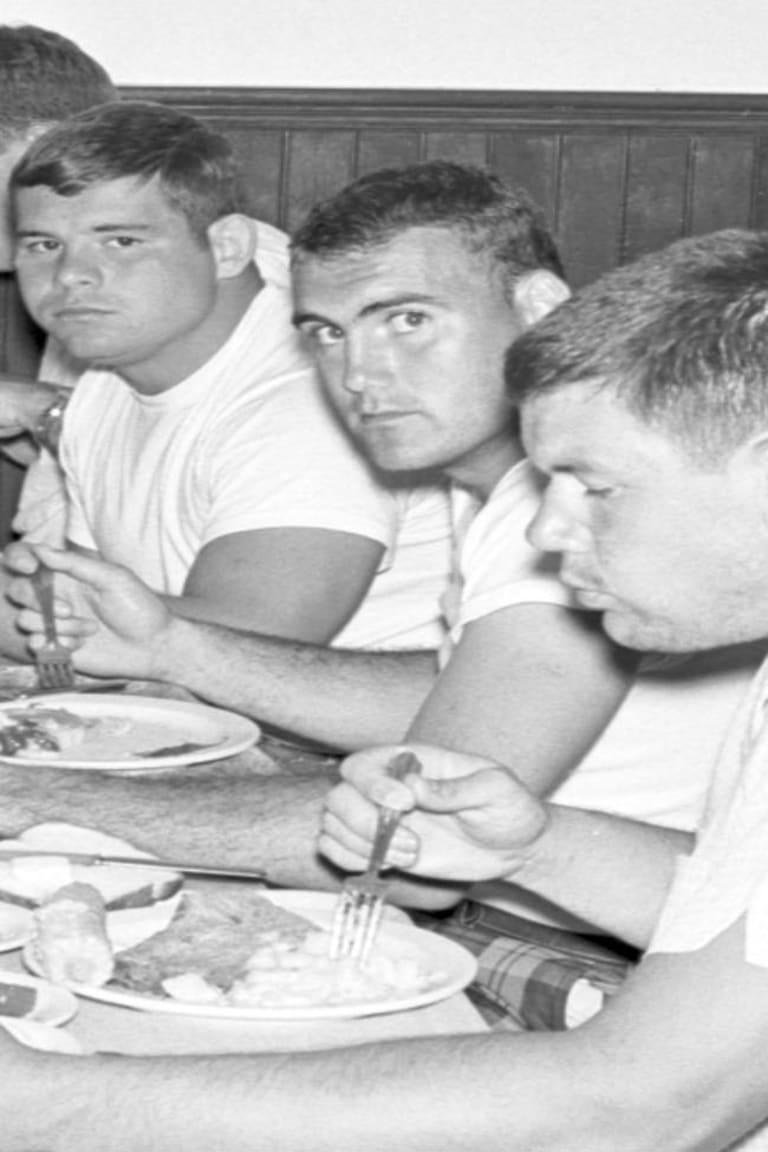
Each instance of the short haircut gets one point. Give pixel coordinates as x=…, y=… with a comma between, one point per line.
x=680, y=336
x=195, y=166
x=493, y=218
x=45, y=77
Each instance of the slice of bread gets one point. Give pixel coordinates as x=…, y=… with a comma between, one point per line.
x=28, y=880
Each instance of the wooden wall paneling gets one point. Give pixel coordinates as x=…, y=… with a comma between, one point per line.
x=588, y=228
x=318, y=163
x=658, y=172
x=759, y=214
x=261, y=154
x=722, y=175
x=384, y=149
x=532, y=162
x=470, y=147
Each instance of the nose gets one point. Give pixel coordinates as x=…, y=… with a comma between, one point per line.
x=76, y=265
x=555, y=528
x=366, y=365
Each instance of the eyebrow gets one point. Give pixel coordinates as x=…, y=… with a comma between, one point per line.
x=125, y=227
x=371, y=309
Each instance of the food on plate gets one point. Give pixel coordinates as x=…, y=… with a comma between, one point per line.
x=70, y=942
x=16, y=999
x=212, y=933
x=37, y=731
x=242, y=951
x=28, y=880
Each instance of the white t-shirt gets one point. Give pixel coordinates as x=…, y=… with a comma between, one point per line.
x=727, y=875
x=42, y=512
x=246, y=442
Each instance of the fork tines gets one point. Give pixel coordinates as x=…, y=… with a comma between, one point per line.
x=361, y=901
x=53, y=661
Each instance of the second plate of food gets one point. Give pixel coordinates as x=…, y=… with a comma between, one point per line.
x=119, y=733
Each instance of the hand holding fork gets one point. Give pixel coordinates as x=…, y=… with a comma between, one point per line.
x=361, y=900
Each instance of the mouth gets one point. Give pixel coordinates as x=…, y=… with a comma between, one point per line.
x=79, y=312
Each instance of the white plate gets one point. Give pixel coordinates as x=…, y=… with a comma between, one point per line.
x=15, y=926
x=173, y=722
x=453, y=965
x=54, y=1004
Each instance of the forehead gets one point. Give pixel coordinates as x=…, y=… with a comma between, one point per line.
x=433, y=264
x=588, y=427
x=126, y=200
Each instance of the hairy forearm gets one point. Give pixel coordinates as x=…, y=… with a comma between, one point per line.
x=498, y=1093
x=333, y=696
x=202, y=816
x=588, y=861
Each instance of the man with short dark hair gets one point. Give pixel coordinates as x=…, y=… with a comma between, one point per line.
x=197, y=447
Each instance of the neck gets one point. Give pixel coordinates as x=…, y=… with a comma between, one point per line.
x=481, y=470
x=180, y=358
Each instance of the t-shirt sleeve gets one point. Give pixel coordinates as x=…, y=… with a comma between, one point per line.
x=329, y=484
x=498, y=567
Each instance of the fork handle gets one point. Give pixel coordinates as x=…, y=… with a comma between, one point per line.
x=42, y=580
x=387, y=822
x=401, y=765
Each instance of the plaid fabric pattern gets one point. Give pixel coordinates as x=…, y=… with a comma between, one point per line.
x=527, y=971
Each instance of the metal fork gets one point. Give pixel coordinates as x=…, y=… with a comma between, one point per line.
x=361, y=900
x=53, y=660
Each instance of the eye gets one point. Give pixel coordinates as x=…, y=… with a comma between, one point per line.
x=38, y=247
x=596, y=493
x=323, y=334
x=122, y=241
x=406, y=322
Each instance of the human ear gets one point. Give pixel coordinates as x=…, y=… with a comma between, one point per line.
x=537, y=293
x=233, y=244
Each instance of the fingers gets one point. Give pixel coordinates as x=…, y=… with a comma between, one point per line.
x=347, y=829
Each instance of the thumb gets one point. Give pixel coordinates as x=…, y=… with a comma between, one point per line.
x=460, y=793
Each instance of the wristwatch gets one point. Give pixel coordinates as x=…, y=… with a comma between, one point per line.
x=47, y=430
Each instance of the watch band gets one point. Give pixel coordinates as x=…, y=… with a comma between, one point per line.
x=47, y=431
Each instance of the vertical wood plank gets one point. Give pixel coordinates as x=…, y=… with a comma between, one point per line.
x=260, y=156
x=468, y=147
x=759, y=216
x=383, y=149
x=319, y=163
x=722, y=175
x=590, y=197
x=657, y=193
x=530, y=162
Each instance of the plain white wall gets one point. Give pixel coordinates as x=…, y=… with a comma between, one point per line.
x=601, y=45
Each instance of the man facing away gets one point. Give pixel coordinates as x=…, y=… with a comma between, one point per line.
x=197, y=448
x=409, y=286
x=653, y=439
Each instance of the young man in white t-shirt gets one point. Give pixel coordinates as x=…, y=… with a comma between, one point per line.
x=198, y=448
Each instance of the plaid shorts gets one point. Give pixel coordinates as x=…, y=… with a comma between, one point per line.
x=532, y=977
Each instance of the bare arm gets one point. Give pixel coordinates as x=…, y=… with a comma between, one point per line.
x=642, y=1083
x=532, y=687
x=338, y=698
x=303, y=583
